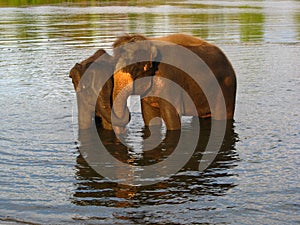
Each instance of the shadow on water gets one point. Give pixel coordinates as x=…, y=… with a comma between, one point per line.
x=187, y=185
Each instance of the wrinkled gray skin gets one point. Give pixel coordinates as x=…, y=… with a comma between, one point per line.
x=96, y=69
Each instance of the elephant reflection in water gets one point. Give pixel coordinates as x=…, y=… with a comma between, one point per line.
x=89, y=181
x=125, y=66
x=121, y=78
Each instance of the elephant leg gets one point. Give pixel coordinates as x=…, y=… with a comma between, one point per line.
x=170, y=115
x=170, y=100
x=84, y=113
x=151, y=114
x=218, y=110
x=229, y=95
x=226, y=95
x=103, y=112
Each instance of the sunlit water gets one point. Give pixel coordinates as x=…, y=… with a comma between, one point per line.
x=254, y=178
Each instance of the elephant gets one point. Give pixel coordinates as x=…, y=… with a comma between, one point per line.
x=153, y=51
x=97, y=68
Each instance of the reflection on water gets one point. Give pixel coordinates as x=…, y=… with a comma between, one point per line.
x=97, y=26
x=249, y=31
x=187, y=185
x=45, y=180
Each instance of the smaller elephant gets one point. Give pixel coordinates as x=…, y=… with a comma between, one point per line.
x=97, y=68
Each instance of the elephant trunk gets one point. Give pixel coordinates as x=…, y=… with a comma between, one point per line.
x=123, y=87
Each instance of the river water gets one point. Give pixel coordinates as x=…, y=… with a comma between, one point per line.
x=44, y=179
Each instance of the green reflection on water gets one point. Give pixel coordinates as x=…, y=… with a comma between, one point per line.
x=83, y=27
x=196, y=23
x=17, y=3
x=297, y=22
x=251, y=26
x=26, y=27
x=147, y=21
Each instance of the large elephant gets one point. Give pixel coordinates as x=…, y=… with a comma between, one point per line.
x=130, y=68
x=97, y=68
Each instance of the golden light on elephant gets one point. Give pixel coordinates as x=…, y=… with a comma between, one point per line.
x=143, y=57
x=121, y=80
x=177, y=75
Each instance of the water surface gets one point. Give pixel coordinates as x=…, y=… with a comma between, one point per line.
x=44, y=179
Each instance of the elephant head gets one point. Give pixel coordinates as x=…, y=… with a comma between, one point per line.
x=96, y=70
x=134, y=60
x=79, y=69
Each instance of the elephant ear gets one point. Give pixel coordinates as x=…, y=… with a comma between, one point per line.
x=75, y=74
x=76, y=68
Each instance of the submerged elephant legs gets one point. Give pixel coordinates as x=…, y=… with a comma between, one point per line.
x=150, y=111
